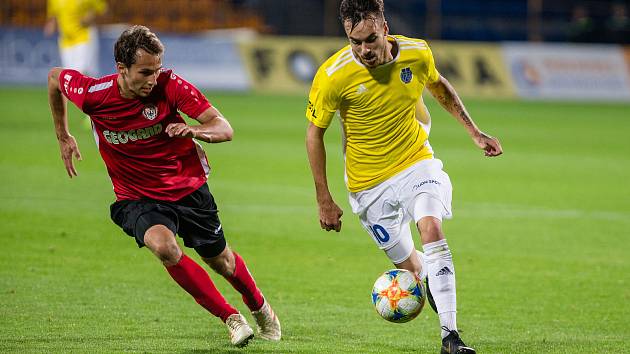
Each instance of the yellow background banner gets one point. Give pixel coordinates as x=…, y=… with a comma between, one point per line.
x=474, y=69
x=288, y=64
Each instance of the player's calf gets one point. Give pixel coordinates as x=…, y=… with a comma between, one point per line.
x=424, y=277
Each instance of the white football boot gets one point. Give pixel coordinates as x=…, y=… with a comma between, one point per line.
x=267, y=323
x=240, y=331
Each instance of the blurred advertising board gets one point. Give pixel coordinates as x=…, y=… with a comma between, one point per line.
x=26, y=56
x=474, y=69
x=209, y=60
x=288, y=64
x=568, y=71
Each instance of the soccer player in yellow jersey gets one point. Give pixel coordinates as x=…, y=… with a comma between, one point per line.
x=392, y=175
x=78, y=37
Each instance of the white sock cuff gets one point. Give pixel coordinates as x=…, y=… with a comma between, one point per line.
x=434, y=248
x=448, y=320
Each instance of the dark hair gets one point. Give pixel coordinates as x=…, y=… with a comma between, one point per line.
x=356, y=11
x=132, y=39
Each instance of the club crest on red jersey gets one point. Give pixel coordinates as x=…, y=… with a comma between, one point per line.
x=150, y=112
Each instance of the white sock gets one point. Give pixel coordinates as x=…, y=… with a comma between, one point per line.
x=425, y=268
x=448, y=320
x=442, y=282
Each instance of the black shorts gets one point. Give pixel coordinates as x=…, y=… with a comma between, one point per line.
x=194, y=218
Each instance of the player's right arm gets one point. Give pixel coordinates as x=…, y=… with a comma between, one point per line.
x=67, y=143
x=51, y=19
x=50, y=26
x=323, y=102
x=329, y=212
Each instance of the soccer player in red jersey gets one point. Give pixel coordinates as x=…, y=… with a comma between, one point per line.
x=159, y=171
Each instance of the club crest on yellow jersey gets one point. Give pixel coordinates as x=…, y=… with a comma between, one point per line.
x=406, y=75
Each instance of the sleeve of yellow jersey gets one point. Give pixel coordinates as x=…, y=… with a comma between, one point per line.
x=323, y=100
x=51, y=9
x=433, y=75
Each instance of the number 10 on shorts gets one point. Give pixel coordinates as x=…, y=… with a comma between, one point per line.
x=380, y=234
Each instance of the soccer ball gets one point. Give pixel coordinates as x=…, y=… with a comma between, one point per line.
x=398, y=295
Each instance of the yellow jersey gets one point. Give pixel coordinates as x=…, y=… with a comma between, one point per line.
x=377, y=107
x=69, y=14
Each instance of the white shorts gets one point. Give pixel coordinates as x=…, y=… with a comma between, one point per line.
x=82, y=57
x=386, y=209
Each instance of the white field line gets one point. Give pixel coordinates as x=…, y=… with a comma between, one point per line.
x=460, y=210
x=466, y=210
x=489, y=210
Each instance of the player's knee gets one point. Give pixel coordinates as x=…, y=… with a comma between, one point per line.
x=223, y=264
x=168, y=253
x=162, y=243
x=430, y=229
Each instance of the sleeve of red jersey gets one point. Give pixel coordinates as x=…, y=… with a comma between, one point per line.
x=74, y=86
x=187, y=98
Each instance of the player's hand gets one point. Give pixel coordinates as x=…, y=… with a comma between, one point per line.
x=49, y=29
x=180, y=130
x=69, y=149
x=330, y=216
x=490, y=145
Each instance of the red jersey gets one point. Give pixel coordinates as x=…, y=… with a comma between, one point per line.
x=141, y=159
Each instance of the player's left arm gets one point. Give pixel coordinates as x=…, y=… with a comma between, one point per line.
x=445, y=94
x=214, y=128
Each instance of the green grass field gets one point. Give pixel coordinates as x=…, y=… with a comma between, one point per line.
x=540, y=238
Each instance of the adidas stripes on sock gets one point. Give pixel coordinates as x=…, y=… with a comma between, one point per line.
x=442, y=281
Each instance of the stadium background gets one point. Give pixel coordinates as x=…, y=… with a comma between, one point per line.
x=539, y=236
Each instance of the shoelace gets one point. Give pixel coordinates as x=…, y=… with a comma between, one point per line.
x=234, y=324
x=267, y=318
x=457, y=339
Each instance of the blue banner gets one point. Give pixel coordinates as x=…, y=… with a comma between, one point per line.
x=208, y=60
x=26, y=56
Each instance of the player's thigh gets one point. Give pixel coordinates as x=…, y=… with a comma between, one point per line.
x=399, y=254
x=136, y=217
x=200, y=226
x=427, y=191
x=386, y=223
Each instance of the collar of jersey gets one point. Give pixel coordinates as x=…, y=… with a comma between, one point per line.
x=382, y=65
